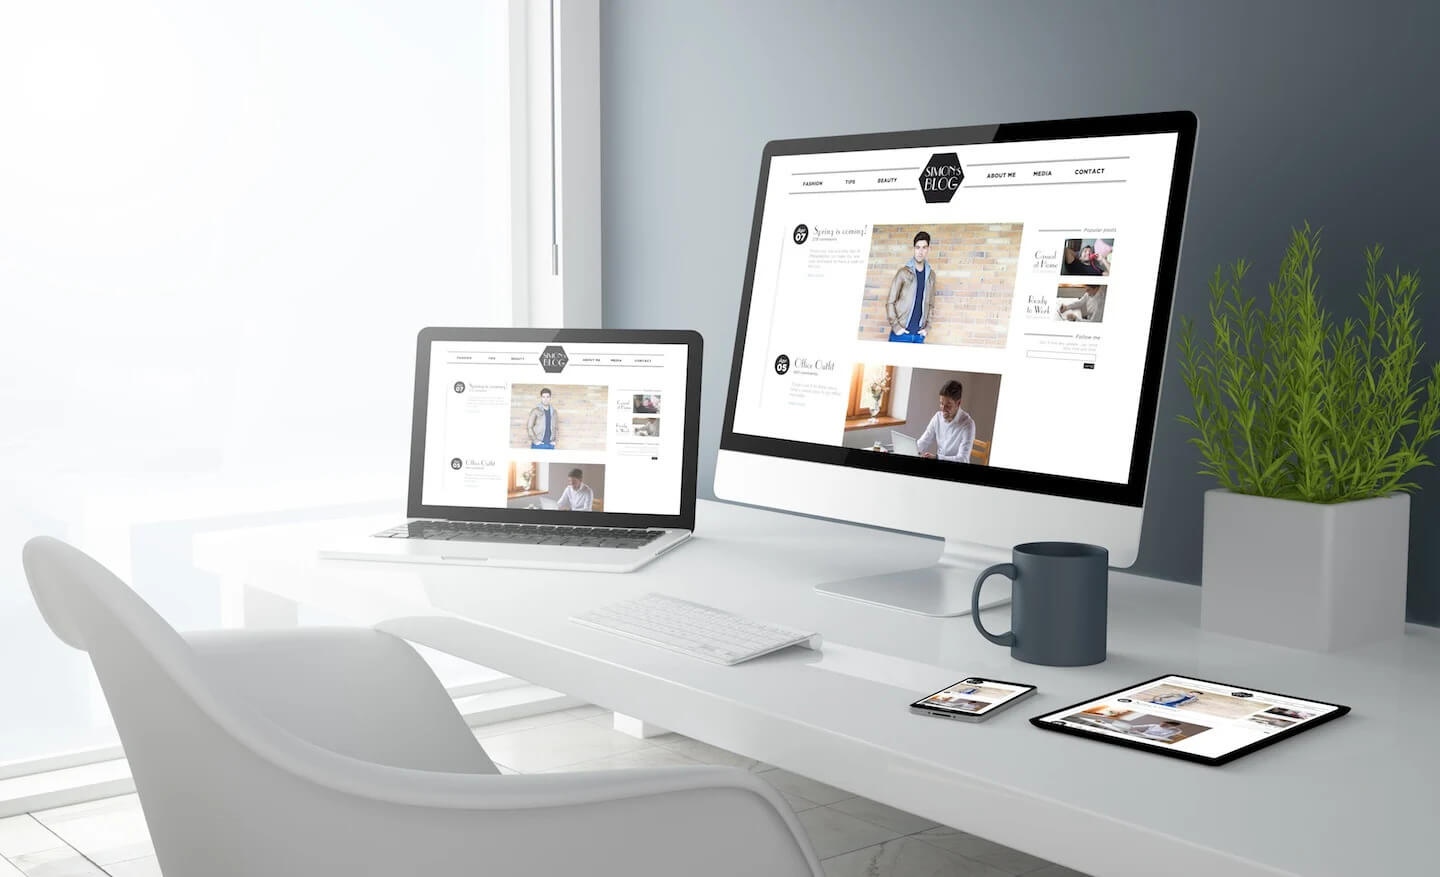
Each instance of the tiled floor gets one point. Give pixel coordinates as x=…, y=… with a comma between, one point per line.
x=855, y=837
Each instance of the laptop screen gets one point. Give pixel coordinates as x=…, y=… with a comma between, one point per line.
x=530, y=426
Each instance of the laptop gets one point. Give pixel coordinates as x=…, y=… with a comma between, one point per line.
x=547, y=448
x=904, y=445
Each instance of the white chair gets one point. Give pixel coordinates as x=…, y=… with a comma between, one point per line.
x=337, y=752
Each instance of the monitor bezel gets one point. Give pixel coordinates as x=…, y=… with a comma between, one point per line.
x=685, y=519
x=1132, y=492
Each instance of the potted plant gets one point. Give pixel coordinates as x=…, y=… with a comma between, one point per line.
x=1312, y=427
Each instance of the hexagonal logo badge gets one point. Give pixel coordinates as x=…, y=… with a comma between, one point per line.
x=941, y=178
x=553, y=359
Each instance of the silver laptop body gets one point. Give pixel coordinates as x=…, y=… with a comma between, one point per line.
x=904, y=445
x=547, y=449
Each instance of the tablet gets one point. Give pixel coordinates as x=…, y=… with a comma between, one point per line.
x=1193, y=719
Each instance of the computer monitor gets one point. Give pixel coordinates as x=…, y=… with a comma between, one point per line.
x=955, y=285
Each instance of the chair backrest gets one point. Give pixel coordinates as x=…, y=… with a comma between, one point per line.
x=226, y=791
x=980, y=451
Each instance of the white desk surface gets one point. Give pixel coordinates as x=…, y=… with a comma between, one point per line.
x=1358, y=796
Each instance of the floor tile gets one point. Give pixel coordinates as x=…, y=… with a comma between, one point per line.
x=104, y=831
x=650, y=756
x=146, y=867
x=980, y=849
x=112, y=804
x=906, y=857
x=707, y=754
x=9, y=870
x=588, y=711
x=1053, y=870
x=797, y=803
x=22, y=834
x=804, y=787
x=57, y=862
x=607, y=720
x=510, y=726
x=884, y=815
x=541, y=749
x=832, y=832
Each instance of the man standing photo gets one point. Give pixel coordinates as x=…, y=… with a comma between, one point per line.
x=542, y=424
x=911, y=293
x=578, y=497
x=951, y=432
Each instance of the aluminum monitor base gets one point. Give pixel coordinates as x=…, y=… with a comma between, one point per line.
x=941, y=590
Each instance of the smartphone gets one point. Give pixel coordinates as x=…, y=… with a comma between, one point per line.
x=972, y=699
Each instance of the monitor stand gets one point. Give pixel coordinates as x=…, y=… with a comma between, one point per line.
x=941, y=590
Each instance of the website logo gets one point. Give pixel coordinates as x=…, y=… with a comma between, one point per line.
x=940, y=179
x=553, y=359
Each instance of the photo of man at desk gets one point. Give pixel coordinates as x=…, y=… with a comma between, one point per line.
x=1080, y=303
x=913, y=404
x=1131, y=723
x=950, y=435
x=557, y=487
x=577, y=495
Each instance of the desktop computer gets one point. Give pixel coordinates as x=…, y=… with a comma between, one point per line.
x=1000, y=295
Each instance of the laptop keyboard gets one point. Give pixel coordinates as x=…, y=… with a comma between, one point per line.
x=523, y=534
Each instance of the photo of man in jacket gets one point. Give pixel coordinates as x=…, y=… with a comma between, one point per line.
x=543, y=422
x=912, y=292
x=947, y=284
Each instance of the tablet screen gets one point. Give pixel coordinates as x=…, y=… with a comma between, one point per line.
x=1208, y=720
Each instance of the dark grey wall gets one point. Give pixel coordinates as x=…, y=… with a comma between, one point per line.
x=1308, y=110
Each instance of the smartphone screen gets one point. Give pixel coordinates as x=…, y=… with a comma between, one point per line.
x=973, y=697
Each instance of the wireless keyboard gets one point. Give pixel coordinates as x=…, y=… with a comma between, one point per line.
x=694, y=629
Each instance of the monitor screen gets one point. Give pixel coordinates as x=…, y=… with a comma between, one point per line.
x=985, y=304
x=533, y=427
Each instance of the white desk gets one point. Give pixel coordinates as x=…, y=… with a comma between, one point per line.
x=1358, y=796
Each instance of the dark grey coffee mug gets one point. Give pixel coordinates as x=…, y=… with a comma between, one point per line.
x=1058, y=603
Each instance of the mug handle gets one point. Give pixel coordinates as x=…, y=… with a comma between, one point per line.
x=1007, y=570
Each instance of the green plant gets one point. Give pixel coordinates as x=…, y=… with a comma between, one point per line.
x=1290, y=403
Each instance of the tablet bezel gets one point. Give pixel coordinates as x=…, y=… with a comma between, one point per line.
x=1271, y=740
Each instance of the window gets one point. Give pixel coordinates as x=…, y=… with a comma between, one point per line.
x=223, y=225
x=524, y=480
x=871, y=391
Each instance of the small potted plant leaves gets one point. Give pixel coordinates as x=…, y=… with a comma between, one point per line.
x=1312, y=427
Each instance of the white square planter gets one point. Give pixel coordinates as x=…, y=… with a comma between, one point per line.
x=1305, y=575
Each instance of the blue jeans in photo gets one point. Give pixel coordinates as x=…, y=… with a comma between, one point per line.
x=908, y=338
x=542, y=446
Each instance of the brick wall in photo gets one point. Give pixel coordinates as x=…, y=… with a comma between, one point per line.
x=583, y=412
x=975, y=266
